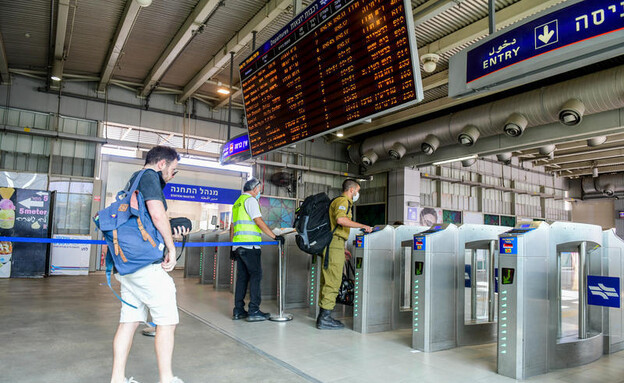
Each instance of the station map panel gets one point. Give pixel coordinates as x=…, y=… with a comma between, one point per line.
x=336, y=64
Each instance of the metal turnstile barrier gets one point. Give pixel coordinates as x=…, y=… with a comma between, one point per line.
x=270, y=263
x=613, y=269
x=224, y=266
x=477, y=283
x=192, y=256
x=208, y=256
x=296, y=266
x=434, y=259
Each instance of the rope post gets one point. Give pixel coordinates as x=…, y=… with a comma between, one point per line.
x=281, y=284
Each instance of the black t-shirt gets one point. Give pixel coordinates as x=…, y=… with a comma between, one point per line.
x=151, y=186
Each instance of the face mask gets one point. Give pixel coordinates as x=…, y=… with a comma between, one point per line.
x=258, y=196
x=356, y=197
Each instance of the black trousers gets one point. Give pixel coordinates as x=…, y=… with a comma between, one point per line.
x=249, y=273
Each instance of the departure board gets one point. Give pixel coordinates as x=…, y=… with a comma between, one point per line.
x=336, y=64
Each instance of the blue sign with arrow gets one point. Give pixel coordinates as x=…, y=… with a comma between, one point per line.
x=567, y=26
x=603, y=291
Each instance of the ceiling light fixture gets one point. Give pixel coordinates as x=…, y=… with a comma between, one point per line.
x=223, y=91
x=340, y=133
x=429, y=61
x=474, y=156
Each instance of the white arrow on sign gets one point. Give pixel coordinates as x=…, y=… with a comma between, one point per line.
x=547, y=35
x=30, y=203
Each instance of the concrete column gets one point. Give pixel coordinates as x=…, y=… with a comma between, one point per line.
x=403, y=193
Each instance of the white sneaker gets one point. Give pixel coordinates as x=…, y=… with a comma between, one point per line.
x=131, y=380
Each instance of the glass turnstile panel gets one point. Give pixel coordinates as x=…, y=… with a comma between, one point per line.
x=613, y=266
x=568, y=294
x=405, y=300
x=476, y=307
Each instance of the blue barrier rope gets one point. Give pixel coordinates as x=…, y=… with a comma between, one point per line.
x=102, y=242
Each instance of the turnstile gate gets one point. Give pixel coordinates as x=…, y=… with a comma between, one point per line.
x=208, y=258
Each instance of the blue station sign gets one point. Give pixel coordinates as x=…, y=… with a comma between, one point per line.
x=567, y=26
x=603, y=291
x=204, y=194
x=235, y=150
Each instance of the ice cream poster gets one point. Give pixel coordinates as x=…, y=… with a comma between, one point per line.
x=25, y=213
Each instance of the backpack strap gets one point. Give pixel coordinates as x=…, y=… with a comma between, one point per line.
x=109, y=271
x=326, y=260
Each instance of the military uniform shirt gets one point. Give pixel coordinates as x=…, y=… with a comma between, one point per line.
x=339, y=208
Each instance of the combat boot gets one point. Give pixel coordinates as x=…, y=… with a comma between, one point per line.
x=324, y=321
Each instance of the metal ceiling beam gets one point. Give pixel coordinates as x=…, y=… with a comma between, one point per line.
x=4, y=64
x=62, y=15
x=574, y=145
x=124, y=28
x=586, y=172
x=505, y=17
x=431, y=9
x=585, y=156
x=266, y=15
x=587, y=164
x=185, y=34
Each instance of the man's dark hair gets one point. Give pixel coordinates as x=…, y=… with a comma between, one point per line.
x=348, y=184
x=158, y=153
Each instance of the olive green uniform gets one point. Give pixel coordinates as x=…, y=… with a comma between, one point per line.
x=331, y=278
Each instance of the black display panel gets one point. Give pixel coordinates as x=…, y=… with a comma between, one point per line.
x=336, y=64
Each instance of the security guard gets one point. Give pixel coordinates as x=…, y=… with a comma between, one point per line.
x=248, y=226
x=340, y=213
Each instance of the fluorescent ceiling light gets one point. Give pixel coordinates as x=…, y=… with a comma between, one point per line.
x=223, y=91
x=214, y=165
x=340, y=133
x=474, y=156
x=120, y=152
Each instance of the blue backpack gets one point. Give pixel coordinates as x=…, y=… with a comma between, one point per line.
x=133, y=240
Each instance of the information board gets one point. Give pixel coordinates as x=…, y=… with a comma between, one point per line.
x=336, y=64
x=235, y=150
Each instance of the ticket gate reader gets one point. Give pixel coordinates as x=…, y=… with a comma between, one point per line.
x=192, y=257
x=523, y=301
x=477, y=263
x=434, y=288
x=224, y=266
x=613, y=267
x=404, y=240
x=374, y=280
x=575, y=331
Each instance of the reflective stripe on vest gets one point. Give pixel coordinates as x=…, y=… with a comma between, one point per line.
x=245, y=229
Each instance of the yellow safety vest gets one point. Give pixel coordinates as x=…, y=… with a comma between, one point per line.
x=245, y=229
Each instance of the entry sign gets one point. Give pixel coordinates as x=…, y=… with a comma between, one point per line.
x=603, y=291
x=205, y=194
x=508, y=246
x=420, y=243
x=567, y=26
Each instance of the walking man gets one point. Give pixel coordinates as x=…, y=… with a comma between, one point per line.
x=248, y=226
x=151, y=288
x=340, y=214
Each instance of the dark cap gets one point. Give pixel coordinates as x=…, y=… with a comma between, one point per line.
x=251, y=184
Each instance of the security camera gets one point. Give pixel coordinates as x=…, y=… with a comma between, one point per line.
x=515, y=125
x=144, y=3
x=430, y=144
x=469, y=135
x=468, y=162
x=505, y=158
x=547, y=150
x=369, y=158
x=609, y=190
x=397, y=151
x=571, y=112
x=429, y=61
x=596, y=141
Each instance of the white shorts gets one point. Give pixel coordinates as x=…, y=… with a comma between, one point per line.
x=148, y=288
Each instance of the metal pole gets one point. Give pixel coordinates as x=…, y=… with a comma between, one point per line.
x=559, y=328
x=473, y=285
x=231, y=90
x=582, y=290
x=281, y=281
x=492, y=15
x=491, y=282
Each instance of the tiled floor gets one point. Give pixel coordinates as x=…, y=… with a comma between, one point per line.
x=60, y=329
x=347, y=356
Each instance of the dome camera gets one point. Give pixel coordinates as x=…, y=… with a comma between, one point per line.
x=429, y=61
x=468, y=162
x=144, y=3
x=609, y=190
x=515, y=125
x=430, y=144
x=469, y=135
x=571, y=112
x=397, y=151
x=547, y=150
x=505, y=158
x=369, y=158
x=596, y=141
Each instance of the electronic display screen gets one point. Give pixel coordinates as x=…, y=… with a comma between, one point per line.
x=508, y=276
x=336, y=64
x=358, y=262
x=418, y=267
x=235, y=150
